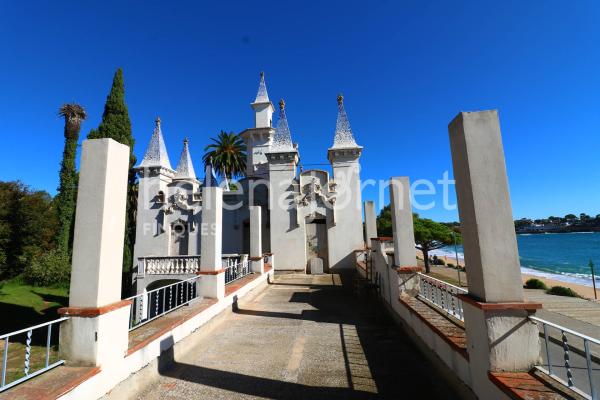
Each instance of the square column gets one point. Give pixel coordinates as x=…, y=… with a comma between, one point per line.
x=370, y=222
x=500, y=337
x=97, y=331
x=405, y=254
x=256, y=256
x=212, y=283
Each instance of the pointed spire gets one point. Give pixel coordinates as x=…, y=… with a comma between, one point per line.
x=262, y=96
x=343, y=134
x=185, y=168
x=156, y=154
x=282, y=139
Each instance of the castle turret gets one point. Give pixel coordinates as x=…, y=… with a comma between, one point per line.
x=155, y=175
x=287, y=233
x=258, y=139
x=185, y=167
x=343, y=155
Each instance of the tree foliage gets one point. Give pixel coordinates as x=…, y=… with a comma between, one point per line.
x=116, y=125
x=66, y=198
x=429, y=235
x=28, y=228
x=227, y=155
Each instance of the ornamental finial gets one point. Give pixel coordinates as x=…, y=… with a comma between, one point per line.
x=157, y=121
x=281, y=104
x=340, y=99
x=185, y=140
x=262, y=74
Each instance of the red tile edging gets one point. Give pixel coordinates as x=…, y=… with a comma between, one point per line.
x=529, y=306
x=92, y=311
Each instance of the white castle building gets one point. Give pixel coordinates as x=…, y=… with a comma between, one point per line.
x=305, y=214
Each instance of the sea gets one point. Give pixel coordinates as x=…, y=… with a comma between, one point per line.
x=561, y=256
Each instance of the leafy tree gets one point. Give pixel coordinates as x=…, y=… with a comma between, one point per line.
x=429, y=235
x=28, y=227
x=570, y=217
x=227, y=155
x=66, y=198
x=117, y=125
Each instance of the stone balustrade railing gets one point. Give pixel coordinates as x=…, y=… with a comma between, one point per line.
x=174, y=265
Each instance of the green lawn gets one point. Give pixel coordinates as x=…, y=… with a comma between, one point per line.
x=21, y=306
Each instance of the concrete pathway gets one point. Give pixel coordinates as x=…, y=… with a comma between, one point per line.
x=305, y=337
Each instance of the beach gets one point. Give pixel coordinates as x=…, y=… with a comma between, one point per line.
x=452, y=274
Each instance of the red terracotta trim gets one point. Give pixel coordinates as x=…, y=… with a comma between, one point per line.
x=267, y=254
x=73, y=384
x=460, y=350
x=529, y=306
x=526, y=385
x=267, y=268
x=217, y=272
x=87, y=312
x=383, y=239
x=408, y=268
x=255, y=258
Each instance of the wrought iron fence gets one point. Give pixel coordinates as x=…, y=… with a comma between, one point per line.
x=580, y=373
x=149, y=305
x=236, y=271
x=442, y=295
x=31, y=367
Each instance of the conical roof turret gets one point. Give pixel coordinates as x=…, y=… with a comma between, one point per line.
x=185, y=167
x=156, y=153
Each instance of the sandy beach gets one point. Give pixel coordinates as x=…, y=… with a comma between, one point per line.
x=452, y=274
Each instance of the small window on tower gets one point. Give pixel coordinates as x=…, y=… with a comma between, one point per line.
x=160, y=197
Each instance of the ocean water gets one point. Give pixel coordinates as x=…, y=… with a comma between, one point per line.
x=561, y=256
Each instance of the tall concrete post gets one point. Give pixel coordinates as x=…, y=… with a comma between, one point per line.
x=500, y=336
x=370, y=222
x=97, y=330
x=256, y=256
x=212, y=283
x=405, y=254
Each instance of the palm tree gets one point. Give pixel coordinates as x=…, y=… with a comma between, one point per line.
x=227, y=155
x=73, y=114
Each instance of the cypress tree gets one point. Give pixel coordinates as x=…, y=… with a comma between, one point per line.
x=66, y=198
x=117, y=125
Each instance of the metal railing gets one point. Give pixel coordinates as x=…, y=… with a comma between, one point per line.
x=442, y=295
x=172, y=265
x=572, y=368
x=28, y=368
x=236, y=271
x=149, y=305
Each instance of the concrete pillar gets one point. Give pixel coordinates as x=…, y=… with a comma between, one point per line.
x=405, y=254
x=97, y=331
x=370, y=222
x=256, y=255
x=500, y=336
x=212, y=283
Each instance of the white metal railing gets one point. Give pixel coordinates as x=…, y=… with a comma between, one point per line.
x=46, y=339
x=442, y=295
x=152, y=304
x=173, y=265
x=592, y=368
x=237, y=271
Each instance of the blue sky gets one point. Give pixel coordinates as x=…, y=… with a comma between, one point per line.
x=405, y=68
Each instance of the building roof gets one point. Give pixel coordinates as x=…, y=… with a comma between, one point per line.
x=343, y=134
x=156, y=153
x=185, y=168
x=262, y=96
x=282, y=139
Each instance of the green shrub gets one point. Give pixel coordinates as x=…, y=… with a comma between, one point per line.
x=51, y=268
x=450, y=265
x=438, y=261
x=562, y=291
x=535, y=284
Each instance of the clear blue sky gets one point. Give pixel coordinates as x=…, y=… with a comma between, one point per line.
x=406, y=69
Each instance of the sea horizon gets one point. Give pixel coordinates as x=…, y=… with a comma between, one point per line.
x=560, y=256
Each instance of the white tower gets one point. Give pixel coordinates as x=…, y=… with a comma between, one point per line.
x=347, y=233
x=258, y=139
x=155, y=175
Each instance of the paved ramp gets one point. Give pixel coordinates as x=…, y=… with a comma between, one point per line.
x=305, y=337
